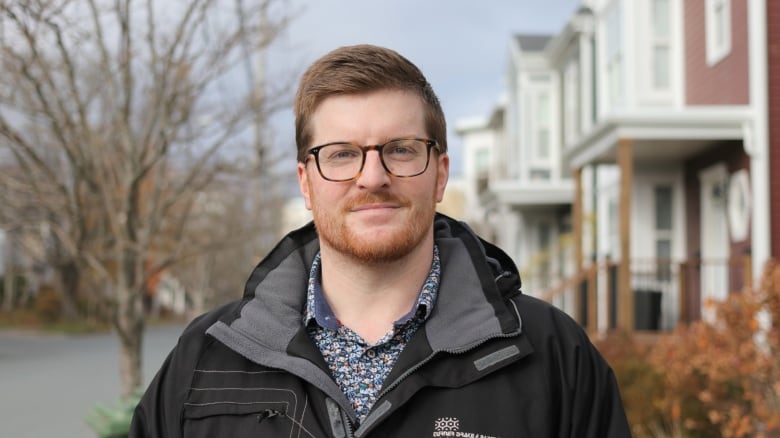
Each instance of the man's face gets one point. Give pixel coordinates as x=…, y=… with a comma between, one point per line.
x=376, y=217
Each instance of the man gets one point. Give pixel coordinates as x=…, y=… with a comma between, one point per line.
x=382, y=318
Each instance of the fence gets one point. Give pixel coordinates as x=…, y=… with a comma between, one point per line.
x=665, y=292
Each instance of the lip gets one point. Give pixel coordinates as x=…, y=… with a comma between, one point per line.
x=377, y=206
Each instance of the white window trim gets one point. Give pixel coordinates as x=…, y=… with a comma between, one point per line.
x=716, y=53
x=665, y=41
x=647, y=92
x=533, y=126
x=614, y=56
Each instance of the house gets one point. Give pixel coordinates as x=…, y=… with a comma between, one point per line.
x=513, y=160
x=480, y=136
x=659, y=147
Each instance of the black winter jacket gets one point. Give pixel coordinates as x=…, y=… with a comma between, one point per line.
x=489, y=362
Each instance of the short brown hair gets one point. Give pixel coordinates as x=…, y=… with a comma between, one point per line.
x=363, y=69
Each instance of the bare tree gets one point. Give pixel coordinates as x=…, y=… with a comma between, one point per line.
x=244, y=211
x=117, y=114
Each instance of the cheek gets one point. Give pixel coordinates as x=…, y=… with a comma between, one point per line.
x=324, y=196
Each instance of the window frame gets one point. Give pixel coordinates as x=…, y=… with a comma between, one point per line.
x=717, y=49
x=659, y=41
x=614, y=55
x=537, y=125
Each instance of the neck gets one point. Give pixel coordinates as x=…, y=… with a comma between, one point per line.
x=369, y=297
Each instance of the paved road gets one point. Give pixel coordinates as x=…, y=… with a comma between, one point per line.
x=48, y=383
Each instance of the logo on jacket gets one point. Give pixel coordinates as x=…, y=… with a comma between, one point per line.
x=446, y=424
x=450, y=427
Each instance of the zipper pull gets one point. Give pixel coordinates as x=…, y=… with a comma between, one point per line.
x=268, y=413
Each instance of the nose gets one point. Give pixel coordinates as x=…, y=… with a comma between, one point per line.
x=373, y=176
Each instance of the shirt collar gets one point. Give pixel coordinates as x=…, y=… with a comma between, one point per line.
x=318, y=309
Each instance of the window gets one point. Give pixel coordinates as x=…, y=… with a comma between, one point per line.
x=614, y=56
x=537, y=126
x=543, y=126
x=661, y=52
x=718, y=30
x=540, y=174
x=483, y=160
x=482, y=163
x=663, y=231
x=663, y=253
x=663, y=208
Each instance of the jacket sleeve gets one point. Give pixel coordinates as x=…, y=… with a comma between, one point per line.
x=597, y=408
x=158, y=413
x=584, y=397
x=593, y=406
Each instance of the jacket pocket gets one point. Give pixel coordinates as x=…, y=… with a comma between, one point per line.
x=239, y=412
x=264, y=410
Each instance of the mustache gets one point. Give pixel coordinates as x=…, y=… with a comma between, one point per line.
x=375, y=198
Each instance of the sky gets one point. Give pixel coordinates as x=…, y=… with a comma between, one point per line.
x=461, y=46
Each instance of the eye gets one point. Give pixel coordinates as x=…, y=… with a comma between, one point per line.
x=340, y=152
x=403, y=149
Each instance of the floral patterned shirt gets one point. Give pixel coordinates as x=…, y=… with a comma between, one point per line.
x=357, y=367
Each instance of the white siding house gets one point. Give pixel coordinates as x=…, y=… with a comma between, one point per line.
x=630, y=173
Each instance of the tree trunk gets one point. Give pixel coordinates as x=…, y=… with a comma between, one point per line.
x=130, y=327
x=70, y=279
x=9, y=288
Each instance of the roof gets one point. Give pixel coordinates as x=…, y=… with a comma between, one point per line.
x=584, y=10
x=532, y=43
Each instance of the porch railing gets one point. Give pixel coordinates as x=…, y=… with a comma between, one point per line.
x=665, y=292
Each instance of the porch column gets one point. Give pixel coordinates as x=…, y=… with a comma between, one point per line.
x=625, y=294
x=576, y=220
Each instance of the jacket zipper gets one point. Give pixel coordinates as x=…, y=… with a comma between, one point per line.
x=410, y=371
x=419, y=365
x=347, y=424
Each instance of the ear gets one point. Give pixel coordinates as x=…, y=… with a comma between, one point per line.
x=442, y=175
x=303, y=184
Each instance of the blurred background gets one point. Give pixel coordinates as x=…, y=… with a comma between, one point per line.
x=621, y=151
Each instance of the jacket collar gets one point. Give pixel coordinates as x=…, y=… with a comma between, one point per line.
x=477, y=280
x=473, y=306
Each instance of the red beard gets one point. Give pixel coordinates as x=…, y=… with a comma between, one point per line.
x=333, y=229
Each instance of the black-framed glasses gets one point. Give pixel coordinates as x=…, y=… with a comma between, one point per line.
x=401, y=157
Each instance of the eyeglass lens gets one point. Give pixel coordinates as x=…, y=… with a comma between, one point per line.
x=344, y=161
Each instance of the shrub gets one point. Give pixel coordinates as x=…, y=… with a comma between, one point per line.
x=48, y=305
x=18, y=284
x=113, y=421
x=707, y=379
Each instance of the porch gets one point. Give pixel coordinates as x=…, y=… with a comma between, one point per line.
x=662, y=293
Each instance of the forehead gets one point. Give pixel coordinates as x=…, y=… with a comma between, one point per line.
x=368, y=117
